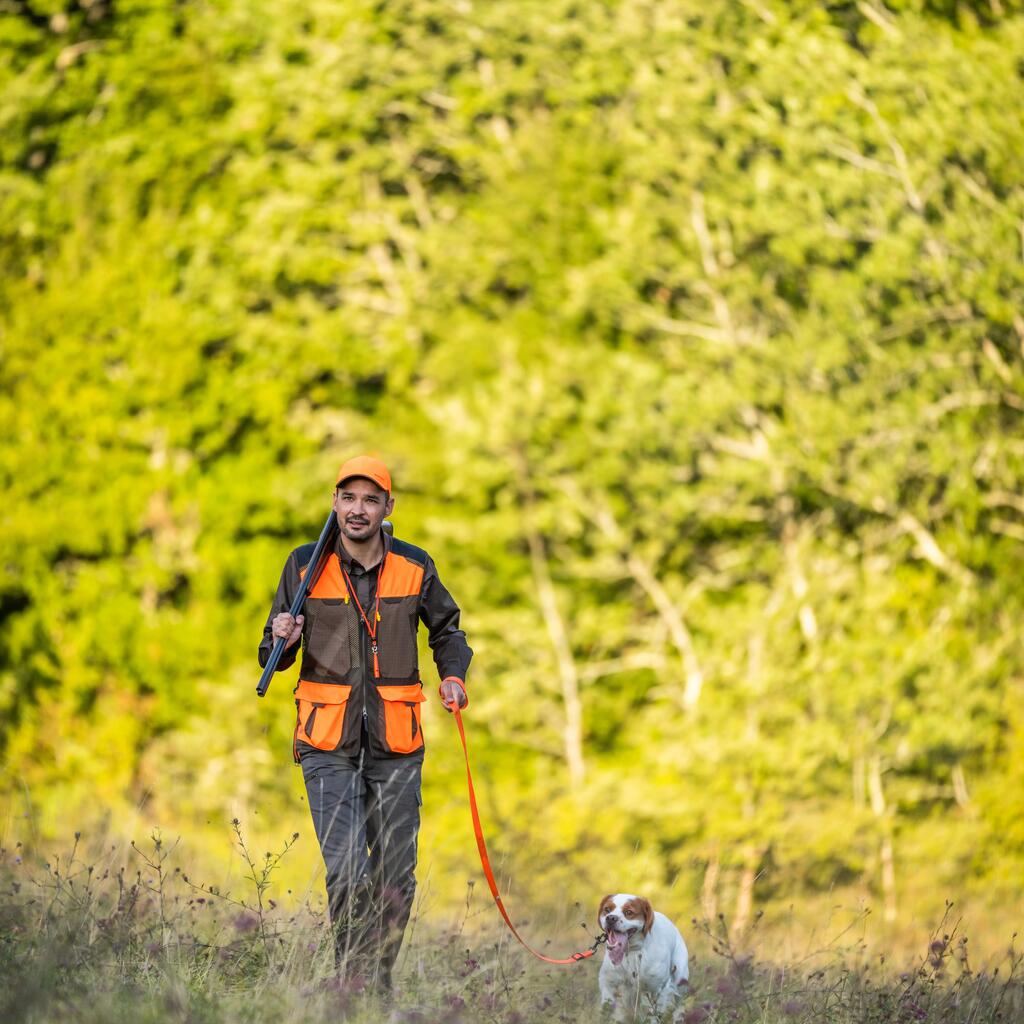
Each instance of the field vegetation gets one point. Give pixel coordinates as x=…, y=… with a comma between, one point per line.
x=110, y=939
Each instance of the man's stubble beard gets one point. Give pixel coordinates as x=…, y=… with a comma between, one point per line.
x=361, y=533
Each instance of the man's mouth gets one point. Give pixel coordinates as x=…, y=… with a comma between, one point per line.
x=617, y=942
x=357, y=522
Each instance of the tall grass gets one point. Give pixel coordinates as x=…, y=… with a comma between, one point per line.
x=107, y=937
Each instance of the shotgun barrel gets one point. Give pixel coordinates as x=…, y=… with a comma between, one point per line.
x=326, y=534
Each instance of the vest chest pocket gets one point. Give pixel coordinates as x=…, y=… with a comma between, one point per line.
x=397, y=636
x=320, y=713
x=328, y=650
x=402, y=731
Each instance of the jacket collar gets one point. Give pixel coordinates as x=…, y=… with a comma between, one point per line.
x=347, y=561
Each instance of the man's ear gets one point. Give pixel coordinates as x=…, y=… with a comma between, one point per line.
x=389, y=507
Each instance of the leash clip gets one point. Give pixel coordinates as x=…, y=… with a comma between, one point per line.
x=587, y=953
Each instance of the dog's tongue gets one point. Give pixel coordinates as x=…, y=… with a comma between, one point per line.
x=617, y=946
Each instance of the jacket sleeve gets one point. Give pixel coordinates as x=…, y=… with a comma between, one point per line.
x=440, y=614
x=286, y=590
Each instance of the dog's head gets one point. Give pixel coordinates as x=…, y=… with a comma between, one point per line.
x=622, y=917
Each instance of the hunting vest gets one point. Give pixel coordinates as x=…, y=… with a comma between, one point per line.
x=367, y=652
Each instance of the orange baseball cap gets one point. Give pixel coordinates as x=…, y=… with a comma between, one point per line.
x=366, y=466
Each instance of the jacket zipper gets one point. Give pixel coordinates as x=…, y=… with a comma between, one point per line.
x=364, y=629
x=366, y=683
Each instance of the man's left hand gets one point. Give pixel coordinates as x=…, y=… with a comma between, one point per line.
x=453, y=693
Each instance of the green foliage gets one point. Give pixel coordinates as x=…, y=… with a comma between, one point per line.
x=692, y=335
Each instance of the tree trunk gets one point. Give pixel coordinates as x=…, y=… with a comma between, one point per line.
x=745, y=894
x=709, y=890
x=886, y=851
x=558, y=634
x=572, y=732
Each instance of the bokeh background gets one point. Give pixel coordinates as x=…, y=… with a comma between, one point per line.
x=693, y=335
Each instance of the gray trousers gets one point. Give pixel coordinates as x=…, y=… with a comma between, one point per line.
x=366, y=812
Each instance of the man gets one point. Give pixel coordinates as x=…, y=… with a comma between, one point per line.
x=357, y=733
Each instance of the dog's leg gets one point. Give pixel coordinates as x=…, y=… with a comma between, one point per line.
x=670, y=999
x=611, y=1001
x=610, y=995
x=613, y=1010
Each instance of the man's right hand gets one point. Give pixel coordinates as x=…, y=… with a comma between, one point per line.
x=453, y=693
x=287, y=626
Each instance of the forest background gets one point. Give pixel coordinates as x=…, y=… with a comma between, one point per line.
x=692, y=334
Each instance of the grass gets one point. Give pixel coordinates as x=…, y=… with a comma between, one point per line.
x=107, y=938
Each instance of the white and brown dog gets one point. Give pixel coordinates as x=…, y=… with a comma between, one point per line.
x=646, y=967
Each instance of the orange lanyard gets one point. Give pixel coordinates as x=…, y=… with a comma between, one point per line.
x=372, y=630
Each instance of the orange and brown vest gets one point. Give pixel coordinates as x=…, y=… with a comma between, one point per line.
x=335, y=666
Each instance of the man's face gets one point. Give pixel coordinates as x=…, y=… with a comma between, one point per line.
x=361, y=507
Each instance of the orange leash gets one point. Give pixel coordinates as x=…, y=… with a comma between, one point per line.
x=489, y=874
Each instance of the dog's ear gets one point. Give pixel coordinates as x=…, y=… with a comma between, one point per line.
x=600, y=907
x=648, y=912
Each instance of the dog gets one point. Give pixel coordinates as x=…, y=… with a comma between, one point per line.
x=646, y=967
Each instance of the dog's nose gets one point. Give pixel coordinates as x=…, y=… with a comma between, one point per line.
x=610, y=920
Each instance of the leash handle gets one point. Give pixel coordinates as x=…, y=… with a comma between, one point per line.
x=485, y=862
